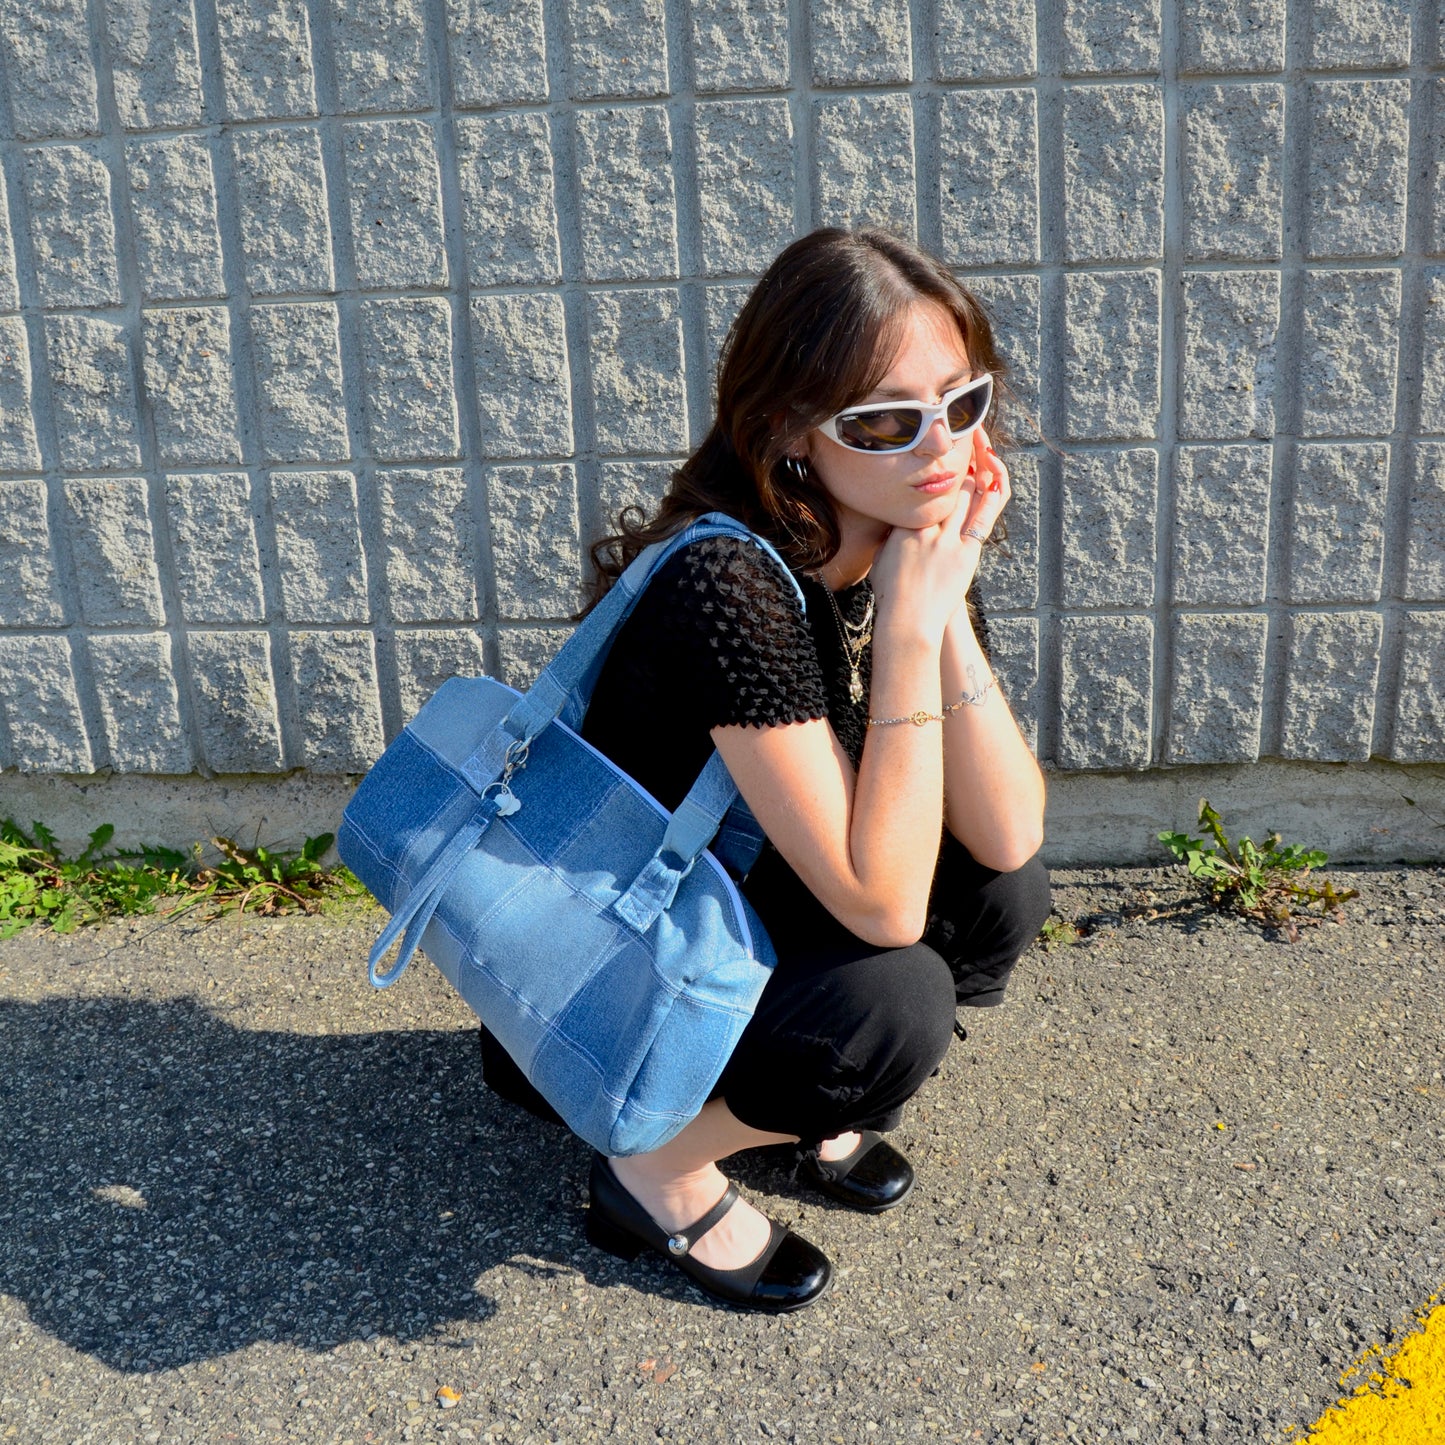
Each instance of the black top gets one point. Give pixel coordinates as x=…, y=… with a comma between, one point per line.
x=717, y=638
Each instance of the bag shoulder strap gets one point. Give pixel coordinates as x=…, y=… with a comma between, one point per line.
x=564, y=687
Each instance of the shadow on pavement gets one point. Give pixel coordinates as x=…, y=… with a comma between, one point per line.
x=177, y=1188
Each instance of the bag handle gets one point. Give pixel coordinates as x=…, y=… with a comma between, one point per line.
x=564, y=687
x=410, y=920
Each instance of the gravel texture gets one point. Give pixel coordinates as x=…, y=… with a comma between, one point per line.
x=1169, y=1191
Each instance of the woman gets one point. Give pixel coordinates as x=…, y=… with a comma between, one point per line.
x=852, y=397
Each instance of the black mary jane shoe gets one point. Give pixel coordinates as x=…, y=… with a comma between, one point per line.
x=874, y=1177
x=789, y=1274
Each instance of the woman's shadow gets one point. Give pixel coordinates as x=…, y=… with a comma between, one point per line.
x=175, y=1188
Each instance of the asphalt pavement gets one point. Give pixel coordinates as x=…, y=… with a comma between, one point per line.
x=1170, y=1191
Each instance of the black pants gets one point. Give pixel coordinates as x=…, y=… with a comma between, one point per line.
x=845, y=1032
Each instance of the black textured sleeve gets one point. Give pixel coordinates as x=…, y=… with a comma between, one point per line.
x=724, y=615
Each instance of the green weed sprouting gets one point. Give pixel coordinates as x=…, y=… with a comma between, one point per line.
x=1266, y=882
x=38, y=884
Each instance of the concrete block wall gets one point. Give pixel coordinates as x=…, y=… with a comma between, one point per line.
x=332, y=330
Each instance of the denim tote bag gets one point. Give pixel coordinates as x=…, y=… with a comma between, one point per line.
x=596, y=935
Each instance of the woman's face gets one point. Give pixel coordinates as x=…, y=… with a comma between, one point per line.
x=919, y=487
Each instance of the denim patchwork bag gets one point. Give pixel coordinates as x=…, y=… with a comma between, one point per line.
x=599, y=937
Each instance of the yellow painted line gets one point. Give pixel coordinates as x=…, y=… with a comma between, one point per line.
x=1401, y=1398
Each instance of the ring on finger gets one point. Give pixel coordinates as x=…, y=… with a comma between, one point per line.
x=975, y=534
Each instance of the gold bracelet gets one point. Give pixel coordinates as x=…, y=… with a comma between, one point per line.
x=970, y=699
x=918, y=719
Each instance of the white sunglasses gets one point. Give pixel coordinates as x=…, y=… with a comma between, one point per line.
x=898, y=426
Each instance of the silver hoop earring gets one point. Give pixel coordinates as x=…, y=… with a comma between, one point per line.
x=798, y=467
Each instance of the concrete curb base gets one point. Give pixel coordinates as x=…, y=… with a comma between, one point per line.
x=1357, y=812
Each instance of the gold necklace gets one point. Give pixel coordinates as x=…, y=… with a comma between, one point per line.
x=853, y=649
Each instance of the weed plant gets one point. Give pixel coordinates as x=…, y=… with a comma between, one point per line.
x=38, y=884
x=1267, y=881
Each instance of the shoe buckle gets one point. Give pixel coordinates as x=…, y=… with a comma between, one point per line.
x=677, y=1244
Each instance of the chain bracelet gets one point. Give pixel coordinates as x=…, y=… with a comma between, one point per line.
x=921, y=717
x=970, y=699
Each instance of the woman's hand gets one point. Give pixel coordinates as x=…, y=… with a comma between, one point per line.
x=924, y=574
x=990, y=495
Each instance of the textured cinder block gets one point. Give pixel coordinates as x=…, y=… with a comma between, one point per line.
x=498, y=51
x=281, y=190
x=1337, y=540
x=1420, y=707
x=296, y=353
x=988, y=176
x=745, y=183
x=534, y=530
x=266, y=58
x=1012, y=303
x=866, y=42
x=617, y=49
x=524, y=387
x=1432, y=374
x=1109, y=502
x=1349, y=352
x=48, y=68
x=1113, y=172
x=863, y=162
x=19, y=450
x=1229, y=322
x=638, y=384
x=1111, y=36
x=1233, y=171
x=625, y=196
x=173, y=207
x=72, y=235
x=1218, y=36
x=234, y=691
x=428, y=657
x=188, y=380
x=155, y=66
x=1218, y=687
x=1111, y=355
x=525, y=651
x=9, y=290
x=720, y=306
x=1359, y=167
x=740, y=45
x=1106, y=681
x=504, y=167
x=1329, y=688
x=630, y=484
x=28, y=584
x=382, y=58
x=411, y=407
x=394, y=195
x=1425, y=549
x=114, y=552
x=140, y=711
x=92, y=391
x=1221, y=525
x=318, y=542
x=213, y=540
x=1015, y=662
x=40, y=705
x=1008, y=575
x=996, y=42
x=1359, y=34
x=431, y=558
x=1437, y=112
x=341, y=722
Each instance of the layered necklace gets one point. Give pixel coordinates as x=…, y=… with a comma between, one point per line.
x=854, y=636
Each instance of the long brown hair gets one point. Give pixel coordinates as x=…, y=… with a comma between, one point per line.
x=818, y=332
